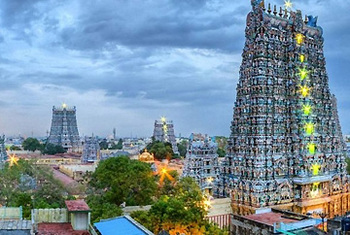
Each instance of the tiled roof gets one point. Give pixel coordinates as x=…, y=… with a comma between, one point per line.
x=270, y=218
x=123, y=225
x=77, y=205
x=59, y=229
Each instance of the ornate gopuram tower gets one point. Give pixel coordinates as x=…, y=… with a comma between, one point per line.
x=164, y=132
x=286, y=149
x=64, y=129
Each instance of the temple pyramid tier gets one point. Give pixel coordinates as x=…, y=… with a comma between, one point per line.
x=202, y=161
x=286, y=148
x=64, y=129
x=164, y=132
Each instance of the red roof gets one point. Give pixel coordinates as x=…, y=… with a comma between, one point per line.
x=77, y=205
x=59, y=229
x=270, y=218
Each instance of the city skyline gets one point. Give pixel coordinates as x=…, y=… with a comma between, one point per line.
x=123, y=66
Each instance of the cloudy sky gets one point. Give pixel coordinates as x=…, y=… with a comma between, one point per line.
x=126, y=63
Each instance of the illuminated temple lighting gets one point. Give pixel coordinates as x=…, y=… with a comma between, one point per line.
x=302, y=58
x=163, y=119
x=312, y=148
x=206, y=203
x=288, y=4
x=303, y=73
x=304, y=90
x=315, y=192
x=13, y=160
x=300, y=38
x=309, y=128
x=164, y=172
x=307, y=109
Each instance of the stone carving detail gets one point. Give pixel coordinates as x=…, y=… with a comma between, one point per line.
x=269, y=147
x=64, y=129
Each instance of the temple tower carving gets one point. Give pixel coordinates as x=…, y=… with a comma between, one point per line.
x=286, y=148
x=64, y=129
x=164, y=132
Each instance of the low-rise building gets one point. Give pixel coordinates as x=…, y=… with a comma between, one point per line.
x=272, y=221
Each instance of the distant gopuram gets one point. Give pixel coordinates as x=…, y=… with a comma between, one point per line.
x=164, y=132
x=286, y=148
x=202, y=162
x=91, y=150
x=64, y=129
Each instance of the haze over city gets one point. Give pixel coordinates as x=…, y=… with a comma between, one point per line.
x=123, y=66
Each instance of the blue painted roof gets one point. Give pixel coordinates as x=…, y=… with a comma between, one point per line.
x=120, y=226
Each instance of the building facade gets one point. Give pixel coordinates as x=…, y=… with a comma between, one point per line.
x=201, y=162
x=164, y=132
x=91, y=150
x=64, y=128
x=286, y=148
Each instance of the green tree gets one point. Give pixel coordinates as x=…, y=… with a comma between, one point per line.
x=119, y=179
x=221, y=152
x=41, y=191
x=31, y=144
x=102, y=209
x=347, y=160
x=14, y=148
x=181, y=211
x=182, y=147
x=119, y=144
x=160, y=150
x=52, y=149
x=104, y=144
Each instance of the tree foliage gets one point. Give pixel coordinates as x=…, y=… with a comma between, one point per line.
x=347, y=160
x=119, y=179
x=181, y=211
x=52, y=149
x=160, y=150
x=119, y=145
x=182, y=147
x=31, y=144
x=221, y=152
x=30, y=186
x=104, y=144
x=101, y=208
x=15, y=148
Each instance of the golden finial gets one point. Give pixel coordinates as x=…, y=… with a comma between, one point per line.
x=163, y=119
x=64, y=105
x=285, y=13
x=269, y=9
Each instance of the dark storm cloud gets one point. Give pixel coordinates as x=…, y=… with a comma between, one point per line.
x=154, y=27
x=179, y=57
